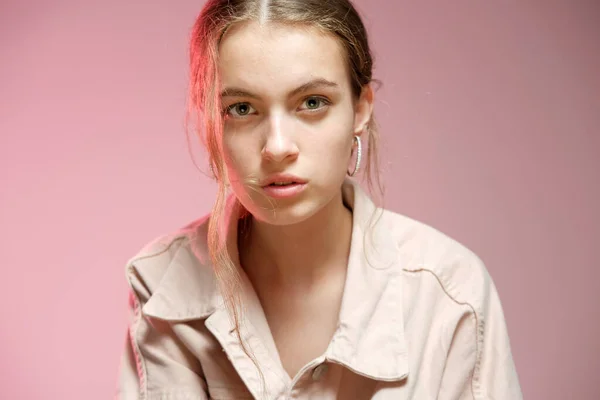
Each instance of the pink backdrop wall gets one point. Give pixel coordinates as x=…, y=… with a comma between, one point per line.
x=490, y=114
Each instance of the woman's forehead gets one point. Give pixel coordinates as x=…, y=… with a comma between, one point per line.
x=279, y=57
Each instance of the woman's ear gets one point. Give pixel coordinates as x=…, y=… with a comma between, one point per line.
x=363, y=109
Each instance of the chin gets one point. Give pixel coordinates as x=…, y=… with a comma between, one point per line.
x=282, y=212
x=285, y=213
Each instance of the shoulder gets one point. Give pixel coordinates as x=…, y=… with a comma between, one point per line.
x=425, y=250
x=147, y=268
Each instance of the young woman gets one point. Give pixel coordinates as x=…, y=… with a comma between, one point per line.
x=297, y=285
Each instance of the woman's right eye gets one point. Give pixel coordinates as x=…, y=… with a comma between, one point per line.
x=239, y=110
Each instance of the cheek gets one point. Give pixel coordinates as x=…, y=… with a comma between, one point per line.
x=332, y=143
x=234, y=155
x=332, y=148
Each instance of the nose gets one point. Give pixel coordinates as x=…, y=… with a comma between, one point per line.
x=279, y=144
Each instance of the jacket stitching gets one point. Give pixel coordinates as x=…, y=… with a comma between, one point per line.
x=139, y=360
x=133, y=330
x=478, y=323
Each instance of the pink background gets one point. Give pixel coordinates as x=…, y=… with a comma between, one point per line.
x=490, y=114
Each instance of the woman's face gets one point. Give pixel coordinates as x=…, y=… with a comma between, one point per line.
x=289, y=118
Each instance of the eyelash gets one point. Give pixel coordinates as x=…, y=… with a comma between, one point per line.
x=325, y=102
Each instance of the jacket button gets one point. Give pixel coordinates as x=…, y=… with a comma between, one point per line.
x=319, y=371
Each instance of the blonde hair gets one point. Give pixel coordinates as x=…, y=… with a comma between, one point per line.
x=336, y=17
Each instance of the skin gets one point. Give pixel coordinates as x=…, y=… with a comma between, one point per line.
x=297, y=250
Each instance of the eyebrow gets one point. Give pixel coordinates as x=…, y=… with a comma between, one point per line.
x=310, y=85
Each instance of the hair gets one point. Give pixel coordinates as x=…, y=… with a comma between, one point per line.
x=338, y=18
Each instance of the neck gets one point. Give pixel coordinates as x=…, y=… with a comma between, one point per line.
x=301, y=254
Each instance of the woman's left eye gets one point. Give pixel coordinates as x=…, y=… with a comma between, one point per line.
x=315, y=103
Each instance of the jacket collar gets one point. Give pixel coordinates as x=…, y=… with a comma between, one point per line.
x=370, y=335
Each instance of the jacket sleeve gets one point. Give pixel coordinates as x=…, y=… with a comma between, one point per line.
x=154, y=364
x=479, y=365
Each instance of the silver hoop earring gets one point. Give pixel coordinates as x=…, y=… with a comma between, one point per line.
x=358, y=156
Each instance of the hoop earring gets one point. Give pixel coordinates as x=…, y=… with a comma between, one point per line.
x=358, y=156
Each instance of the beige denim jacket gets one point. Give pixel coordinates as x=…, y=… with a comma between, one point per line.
x=420, y=319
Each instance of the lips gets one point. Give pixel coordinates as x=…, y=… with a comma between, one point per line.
x=282, y=180
x=283, y=186
x=282, y=183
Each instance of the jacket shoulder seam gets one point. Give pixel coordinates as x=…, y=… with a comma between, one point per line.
x=142, y=255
